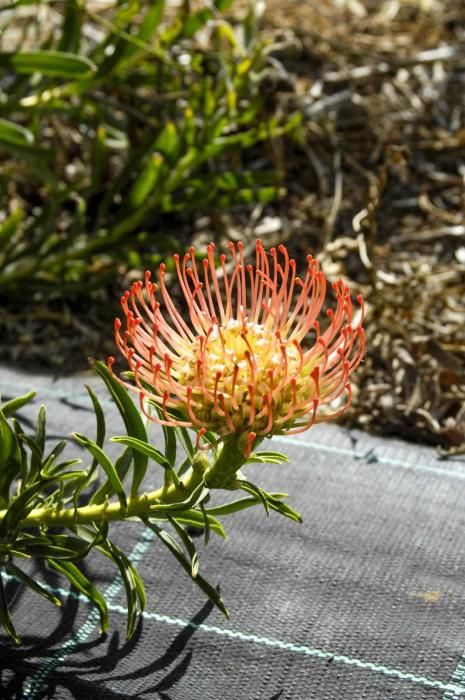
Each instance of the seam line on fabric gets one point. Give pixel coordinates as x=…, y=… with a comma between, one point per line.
x=458, y=680
x=389, y=461
x=451, y=689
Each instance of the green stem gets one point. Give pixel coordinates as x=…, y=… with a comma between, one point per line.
x=144, y=504
x=223, y=471
x=220, y=474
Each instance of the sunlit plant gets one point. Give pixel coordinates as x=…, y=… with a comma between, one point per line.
x=117, y=120
x=239, y=355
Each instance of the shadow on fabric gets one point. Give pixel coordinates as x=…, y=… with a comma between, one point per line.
x=16, y=671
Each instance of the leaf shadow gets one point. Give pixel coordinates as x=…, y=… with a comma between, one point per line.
x=83, y=678
x=175, y=659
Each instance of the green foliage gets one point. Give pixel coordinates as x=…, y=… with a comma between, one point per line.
x=113, y=121
x=58, y=509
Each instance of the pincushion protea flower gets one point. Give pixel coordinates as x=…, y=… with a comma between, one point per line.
x=252, y=361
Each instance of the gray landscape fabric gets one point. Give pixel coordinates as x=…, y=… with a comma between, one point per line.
x=365, y=599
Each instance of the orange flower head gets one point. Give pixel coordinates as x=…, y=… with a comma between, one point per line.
x=251, y=360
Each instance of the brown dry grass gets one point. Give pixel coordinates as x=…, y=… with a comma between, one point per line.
x=376, y=188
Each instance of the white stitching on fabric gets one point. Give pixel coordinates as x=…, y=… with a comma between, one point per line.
x=456, y=690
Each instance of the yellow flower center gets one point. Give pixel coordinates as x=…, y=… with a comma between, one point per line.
x=242, y=371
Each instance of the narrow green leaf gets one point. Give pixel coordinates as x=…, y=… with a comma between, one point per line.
x=75, y=545
x=56, y=547
x=283, y=509
x=195, y=22
x=184, y=466
x=106, y=464
x=226, y=35
x=14, y=405
x=71, y=31
x=255, y=491
x=169, y=434
x=99, y=415
x=170, y=33
x=223, y=5
x=14, y=134
x=8, y=442
x=267, y=458
x=36, y=457
x=8, y=228
x=12, y=460
x=59, y=64
x=132, y=584
x=17, y=3
x=122, y=466
x=57, y=468
x=40, y=429
x=21, y=454
x=146, y=181
x=195, y=518
x=151, y=20
x=213, y=440
x=132, y=420
x=125, y=45
x=33, y=585
x=273, y=501
x=100, y=418
x=35, y=156
x=22, y=505
x=188, y=545
x=206, y=521
x=50, y=460
x=198, y=494
x=139, y=587
x=5, y=618
x=168, y=142
x=100, y=438
x=143, y=447
x=174, y=548
x=94, y=534
x=240, y=504
x=150, y=451
x=249, y=195
x=84, y=586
